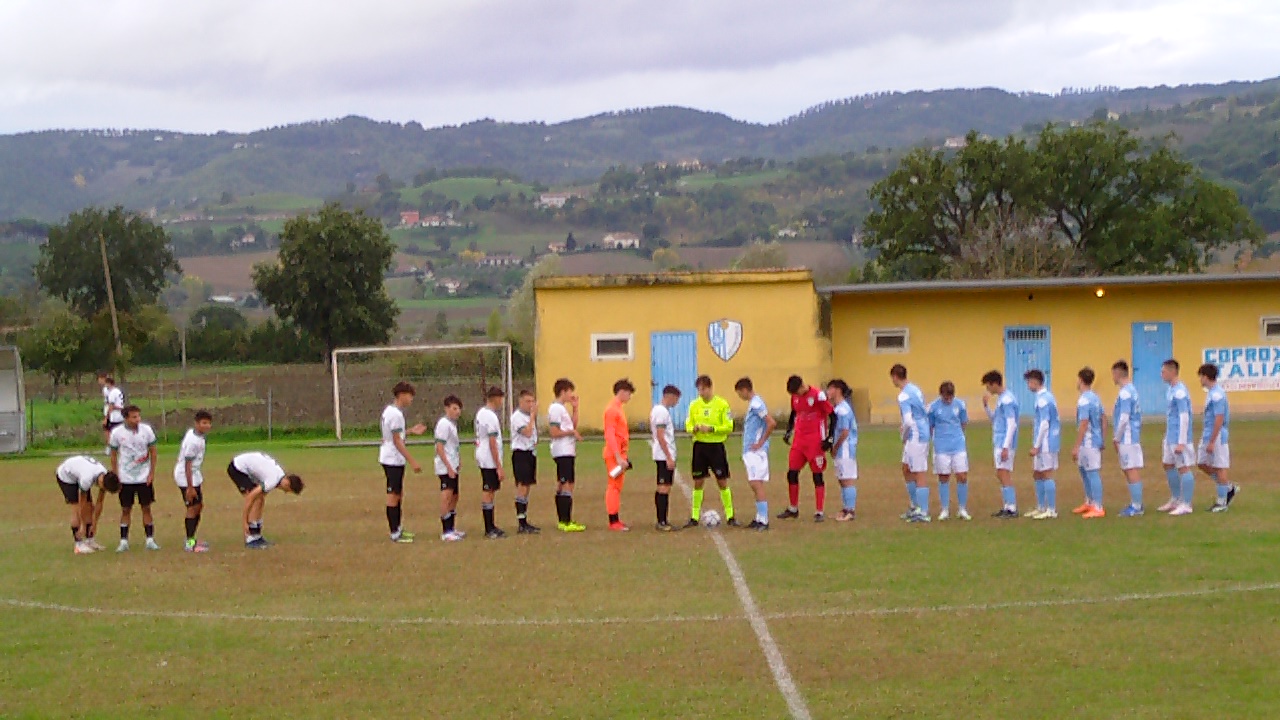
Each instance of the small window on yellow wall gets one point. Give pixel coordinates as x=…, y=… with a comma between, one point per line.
x=612, y=346
x=1271, y=328
x=889, y=340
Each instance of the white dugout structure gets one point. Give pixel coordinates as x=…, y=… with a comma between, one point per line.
x=13, y=402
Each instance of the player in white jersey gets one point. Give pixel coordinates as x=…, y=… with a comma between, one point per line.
x=1045, y=447
x=133, y=458
x=448, y=461
x=948, y=418
x=1090, y=427
x=112, y=406
x=489, y=458
x=77, y=476
x=255, y=475
x=1128, y=436
x=844, y=448
x=662, y=430
x=524, y=457
x=1214, y=454
x=393, y=454
x=188, y=473
x=914, y=430
x=1178, y=453
x=562, y=419
x=1004, y=439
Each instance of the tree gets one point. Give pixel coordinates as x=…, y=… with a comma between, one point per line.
x=650, y=233
x=760, y=256
x=493, y=327
x=570, y=243
x=56, y=346
x=520, y=310
x=327, y=279
x=443, y=243
x=441, y=325
x=665, y=258
x=70, y=265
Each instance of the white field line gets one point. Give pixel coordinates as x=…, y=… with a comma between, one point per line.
x=772, y=654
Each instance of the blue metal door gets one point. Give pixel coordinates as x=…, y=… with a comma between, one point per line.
x=1026, y=348
x=1152, y=345
x=674, y=361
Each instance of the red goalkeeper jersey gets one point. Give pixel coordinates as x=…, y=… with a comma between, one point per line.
x=811, y=408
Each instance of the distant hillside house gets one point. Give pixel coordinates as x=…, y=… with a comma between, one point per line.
x=450, y=285
x=409, y=218
x=620, y=241
x=787, y=233
x=556, y=247
x=499, y=261
x=694, y=164
x=222, y=300
x=554, y=200
x=248, y=240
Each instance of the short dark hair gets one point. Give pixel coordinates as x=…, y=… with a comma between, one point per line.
x=898, y=372
x=702, y=381
x=841, y=385
x=794, y=383
x=993, y=377
x=204, y=415
x=493, y=392
x=623, y=384
x=1208, y=370
x=451, y=400
x=561, y=385
x=1173, y=364
x=1036, y=375
x=295, y=484
x=1086, y=375
x=744, y=383
x=130, y=409
x=671, y=390
x=526, y=393
x=403, y=387
x=103, y=374
x=111, y=482
x=947, y=389
x=1121, y=365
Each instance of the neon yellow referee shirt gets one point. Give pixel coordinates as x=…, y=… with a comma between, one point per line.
x=713, y=413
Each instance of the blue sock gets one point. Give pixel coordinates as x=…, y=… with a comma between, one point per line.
x=1010, y=496
x=1084, y=480
x=944, y=494
x=1188, y=486
x=1222, y=491
x=1050, y=494
x=911, y=492
x=849, y=497
x=1135, y=494
x=1095, y=487
x=962, y=494
x=1040, y=493
x=1175, y=484
x=922, y=499
x=762, y=511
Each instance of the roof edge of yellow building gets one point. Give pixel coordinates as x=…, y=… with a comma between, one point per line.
x=716, y=277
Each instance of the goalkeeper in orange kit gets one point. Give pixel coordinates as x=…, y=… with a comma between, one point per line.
x=617, y=439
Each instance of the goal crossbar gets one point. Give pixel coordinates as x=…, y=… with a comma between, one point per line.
x=337, y=400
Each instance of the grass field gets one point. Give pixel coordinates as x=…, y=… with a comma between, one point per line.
x=1154, y=617
x=702, y=181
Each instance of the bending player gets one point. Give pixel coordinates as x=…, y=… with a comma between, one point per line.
x=133, y=459
x=189, y=474
x=663, y=440
x=1128, y=436
x=617, y=443
x=844, y=449
x=562, y=417
x=757, y=426
x=1213, y=455
x=948, y=418
x=393, y=454
x=1045, y=447
x=807, y=435
x=448, y=460
x=524, y=458
x=77, y=476
x=1004, y=438
x=1088, y=449
x=915, y=443
x=255, y=474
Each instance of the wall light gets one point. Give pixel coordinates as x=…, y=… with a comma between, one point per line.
x=1100, y=292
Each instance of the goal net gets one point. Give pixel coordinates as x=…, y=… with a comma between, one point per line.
x=363, y=378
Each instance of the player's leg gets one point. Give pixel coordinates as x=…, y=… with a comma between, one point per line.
x=146, y=496
x=847, y=474
x=395, y=497
x=565, y=482
x=699, y=469
x=909, y=482
x=817, y=466
x=448, y=508
x=191, y=522
x=613, y=497
x=662, y=495
x=71, y=497
x=1220, y=464
x=128, y=495
x=1185, y=461
x=942, y=469
x=720, y=468
x=489, y=486
x=1004, y=474
x=257, y=508
x=796, y=459
x=1171, y=475
x=756, y=466
x=962, y=490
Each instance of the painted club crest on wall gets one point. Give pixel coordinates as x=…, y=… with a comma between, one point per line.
x=725, y=337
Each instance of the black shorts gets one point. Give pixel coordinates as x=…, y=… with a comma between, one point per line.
x=109, y=426
x=489, y=481
x=146, y=494
x=448, y=483
x=565, y=472
x=199, y=496
x=395, y=479
x=709, y=459
x=524, y=466
x=243, y=482
x=72, y=492
x=666, y=475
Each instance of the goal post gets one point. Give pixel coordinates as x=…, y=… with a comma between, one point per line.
x=393, y=372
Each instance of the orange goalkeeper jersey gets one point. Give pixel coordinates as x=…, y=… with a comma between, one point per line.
x=617, y=437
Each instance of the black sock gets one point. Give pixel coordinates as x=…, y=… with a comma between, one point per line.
x=522, y=511
x=88, y=531
x=255, y=528
x=663, y=501
x=75, y=533
x=150, y=530
x=446, y=522
x=560, y=507
x=487, y=511
x=191, y=528
x=613, y=519
x=393, y=519
x=568, y=507
x=124, y=532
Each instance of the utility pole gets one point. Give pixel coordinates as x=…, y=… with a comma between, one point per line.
x=111, y=295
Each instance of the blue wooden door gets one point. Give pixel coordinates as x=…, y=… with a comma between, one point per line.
x=1026, y=348
x=1152, y=345
x=674, y=361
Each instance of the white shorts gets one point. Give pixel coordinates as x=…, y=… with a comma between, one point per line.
x=1221, y=457
x=1044, y=461
x=757, y=465
x=1004, y=464
x=846, y=468
x=1184, y=459
x=1130, y=457
x=1090, y=459
x=915, y=455
x=950, y=464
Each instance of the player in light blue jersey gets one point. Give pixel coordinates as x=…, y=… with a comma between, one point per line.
x=844, y=448
x=757, y=426
x=1214, y=455
x=1004, y=436
x=1128, y=436
x=1179, y=455
x=1045, y=447
x=915, y=444
x=1087, y=452
x=948, y=417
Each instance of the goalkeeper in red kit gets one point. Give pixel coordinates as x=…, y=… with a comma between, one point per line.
x=807, y=434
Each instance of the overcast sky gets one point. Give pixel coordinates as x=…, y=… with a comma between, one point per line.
x=207, y=65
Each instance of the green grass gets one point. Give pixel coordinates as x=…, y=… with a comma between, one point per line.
x=267, y=203
x=54, y=417
x=466, y=189
x=908, y=629
x=450, y=303
x=702, y=181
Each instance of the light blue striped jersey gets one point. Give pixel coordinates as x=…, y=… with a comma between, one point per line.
x=1004, y=421
x=947, y=421
x=914, y=418
x=754, y=423
x=1215, y=406
x=1179, y=428
x=845, y=420
x=1128, y=416
x=1089, y=410
x=1048, y=435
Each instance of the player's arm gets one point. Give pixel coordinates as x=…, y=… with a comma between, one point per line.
x=115, y=458
x=441, y=453
x=1184, y=424
x=689, y=424
x=1010, y=427
x=554, y=430
x=840, y=441
x=830, y=433
x=724, y=420
x=97, y=506
x=1082, y=427
x=791, y=427
x=964, y=416
x=1122, y=422
x=153, y=457
x=1217, y=428
x=403, y=449
x=612, y=443
x=769, y=426
x=660, y=433
x=493, y=451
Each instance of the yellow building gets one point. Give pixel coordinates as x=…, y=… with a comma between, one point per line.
x=669, y=328
x=959, y=330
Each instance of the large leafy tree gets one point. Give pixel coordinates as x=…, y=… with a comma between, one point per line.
x=328, y=276
x=138, y=251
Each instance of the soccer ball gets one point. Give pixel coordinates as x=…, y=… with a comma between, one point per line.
x=710, y=519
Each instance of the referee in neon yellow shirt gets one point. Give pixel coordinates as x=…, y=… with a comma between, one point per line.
x=710, y=423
